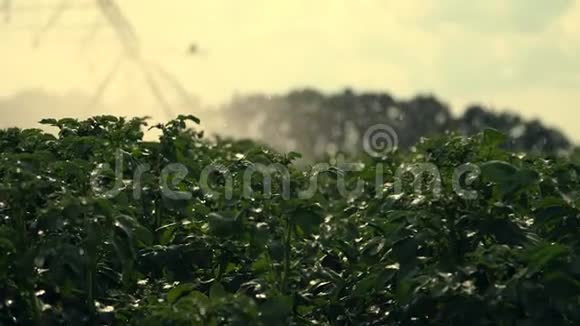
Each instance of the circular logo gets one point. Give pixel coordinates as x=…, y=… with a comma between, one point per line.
x=380, y=140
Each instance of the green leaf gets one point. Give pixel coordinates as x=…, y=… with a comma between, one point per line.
x=179, y=292
x=217, y=292
x=405, y=251
x=292, y=156
x=276, y=310
x=261, y=265
x=51, y=122
x=508, y=178
x=189, y=117
x=493, y=137
x=541, y=256
x=498, y=171
x=404, y=291
x=223, y=226
x=307, y=218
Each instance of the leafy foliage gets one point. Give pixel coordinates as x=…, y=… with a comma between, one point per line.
x=73, y=256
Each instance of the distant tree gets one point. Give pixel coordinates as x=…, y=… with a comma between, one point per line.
x=313, y=123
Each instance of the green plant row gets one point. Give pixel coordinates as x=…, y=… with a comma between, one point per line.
x=72, y=256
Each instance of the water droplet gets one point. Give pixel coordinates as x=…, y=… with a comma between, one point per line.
x=106, y=309
x=396, y=197
x=418, y=201
x=374, y=310
x=468, y=287
x=395, y=266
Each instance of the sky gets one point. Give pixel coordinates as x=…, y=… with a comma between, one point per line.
x=518, y=55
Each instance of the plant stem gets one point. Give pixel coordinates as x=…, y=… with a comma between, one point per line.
x=287, y=255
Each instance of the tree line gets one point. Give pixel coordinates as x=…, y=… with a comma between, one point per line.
x=314, y=123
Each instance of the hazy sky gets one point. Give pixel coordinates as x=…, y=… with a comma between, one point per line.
x=523, y=55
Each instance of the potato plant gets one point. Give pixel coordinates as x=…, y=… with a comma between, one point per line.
x=74, y=253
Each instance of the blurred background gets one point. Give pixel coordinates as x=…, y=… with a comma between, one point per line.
x=300, y=75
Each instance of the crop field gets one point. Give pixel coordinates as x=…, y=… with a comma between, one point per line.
x=99, y=227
